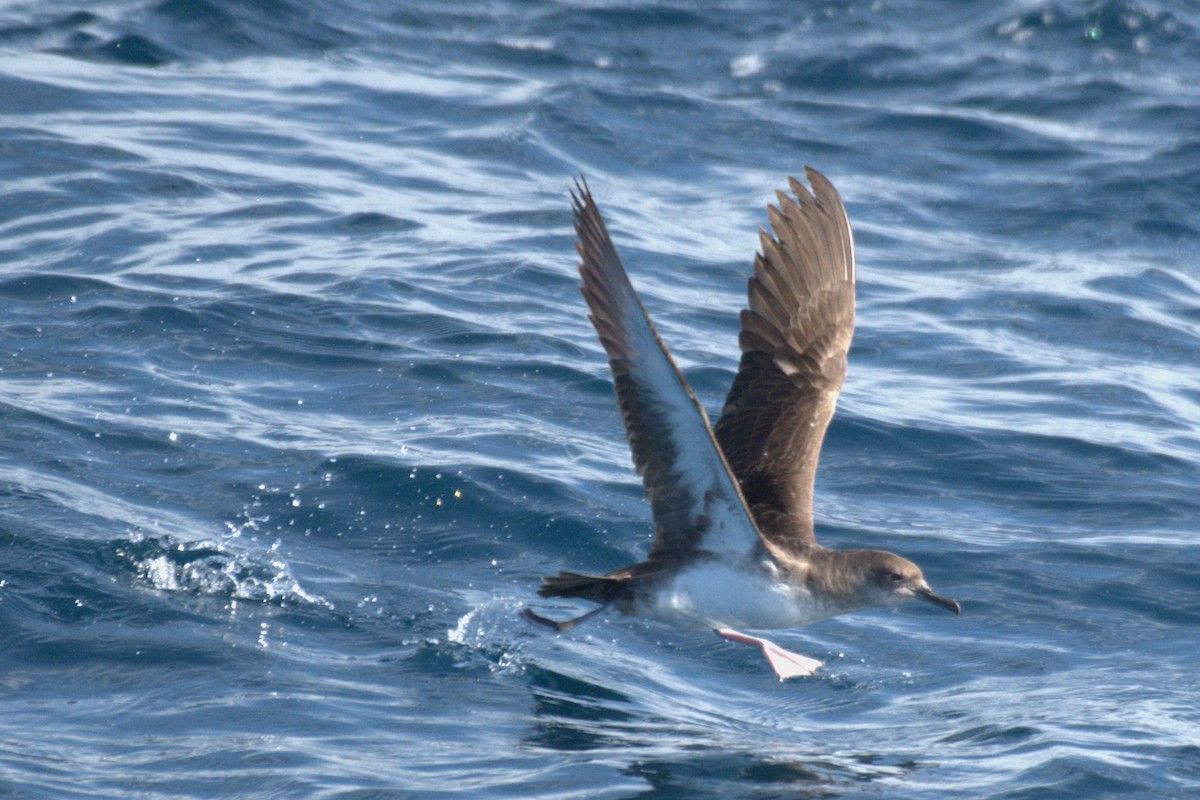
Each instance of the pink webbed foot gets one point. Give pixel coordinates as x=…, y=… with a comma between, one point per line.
x=785, y=663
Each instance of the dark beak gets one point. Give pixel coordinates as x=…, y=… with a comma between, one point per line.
x=925, y=593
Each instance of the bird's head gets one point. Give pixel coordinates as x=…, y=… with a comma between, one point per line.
x=894, y=579
x=883, y=579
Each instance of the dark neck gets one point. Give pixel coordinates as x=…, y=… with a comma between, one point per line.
x=838, y=575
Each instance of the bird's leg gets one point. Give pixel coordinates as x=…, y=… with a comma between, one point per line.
x=566, y=625
x=785, y=663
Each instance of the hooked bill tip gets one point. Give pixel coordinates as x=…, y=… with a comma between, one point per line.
x=925, y=593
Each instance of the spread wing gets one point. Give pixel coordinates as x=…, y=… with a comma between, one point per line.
x=693, y=495
x=794, y=339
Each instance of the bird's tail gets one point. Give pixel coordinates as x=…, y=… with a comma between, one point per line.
x=597, y=588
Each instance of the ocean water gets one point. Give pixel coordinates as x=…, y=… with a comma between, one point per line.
x=298, y=397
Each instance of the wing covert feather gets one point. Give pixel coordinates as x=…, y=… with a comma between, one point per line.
x=795, y=336
x=693, y=495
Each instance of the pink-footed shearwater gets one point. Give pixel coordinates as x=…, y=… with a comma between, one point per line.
x=733, y=543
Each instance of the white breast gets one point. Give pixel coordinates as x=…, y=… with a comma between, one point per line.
x=715, y=595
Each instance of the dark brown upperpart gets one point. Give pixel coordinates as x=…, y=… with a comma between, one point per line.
x=794, y=339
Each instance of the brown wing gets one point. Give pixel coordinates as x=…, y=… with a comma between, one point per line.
x=693, y=495
x=794, y=340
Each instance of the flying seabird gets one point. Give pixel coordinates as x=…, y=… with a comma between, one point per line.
x=734, y=545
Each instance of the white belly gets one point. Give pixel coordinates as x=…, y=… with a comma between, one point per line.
x=714, y=595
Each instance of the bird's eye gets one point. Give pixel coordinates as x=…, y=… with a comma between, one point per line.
x=896, y=577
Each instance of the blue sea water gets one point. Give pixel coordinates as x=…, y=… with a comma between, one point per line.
x=298, y=397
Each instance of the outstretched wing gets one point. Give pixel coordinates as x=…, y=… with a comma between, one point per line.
x=693, y=495
x=794, y=339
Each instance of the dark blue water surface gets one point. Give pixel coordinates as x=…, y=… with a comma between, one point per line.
x=298, y=398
